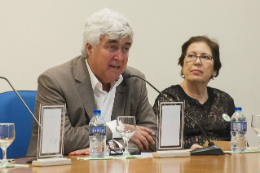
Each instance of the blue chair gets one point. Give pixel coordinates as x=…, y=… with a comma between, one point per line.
x=12, y=110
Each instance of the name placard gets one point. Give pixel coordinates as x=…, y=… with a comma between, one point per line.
x=50, y=134
x=170, y=125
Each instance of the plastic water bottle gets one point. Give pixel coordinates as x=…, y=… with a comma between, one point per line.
x=97, y=136
x=238, y=131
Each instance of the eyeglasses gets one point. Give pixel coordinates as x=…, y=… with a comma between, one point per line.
x=203, y=58
x=118, y=151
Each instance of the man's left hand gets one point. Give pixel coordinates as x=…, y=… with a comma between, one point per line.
x=142, y=137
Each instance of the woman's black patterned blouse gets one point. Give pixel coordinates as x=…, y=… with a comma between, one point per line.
x=208, y=115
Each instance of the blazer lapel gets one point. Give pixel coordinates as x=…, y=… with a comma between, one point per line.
x=84, y=87
x=119, y=102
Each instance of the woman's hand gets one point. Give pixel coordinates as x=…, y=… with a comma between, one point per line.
x=194, y=146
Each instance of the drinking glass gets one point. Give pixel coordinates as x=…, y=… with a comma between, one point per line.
x=125, y=126
x=7, y=136
x=255, y=124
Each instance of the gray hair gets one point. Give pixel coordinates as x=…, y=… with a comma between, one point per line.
x=105, y=23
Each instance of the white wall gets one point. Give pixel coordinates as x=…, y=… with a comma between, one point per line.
x=38, y=34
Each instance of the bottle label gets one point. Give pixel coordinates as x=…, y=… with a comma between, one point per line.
x=97, y=130
x=238, y=126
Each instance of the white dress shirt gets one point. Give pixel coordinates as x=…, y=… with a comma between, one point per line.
x=104, y=101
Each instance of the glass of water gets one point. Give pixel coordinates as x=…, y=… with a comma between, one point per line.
x=125, y=126
x=7, y=136
x=255, y=124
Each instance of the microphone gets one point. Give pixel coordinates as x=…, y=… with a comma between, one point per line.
x=149, y=84
x=21, y=100
x=212, y=149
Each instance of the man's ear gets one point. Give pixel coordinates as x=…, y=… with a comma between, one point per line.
x=89, y=49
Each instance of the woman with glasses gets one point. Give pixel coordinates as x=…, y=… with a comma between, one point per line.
x=200, y=62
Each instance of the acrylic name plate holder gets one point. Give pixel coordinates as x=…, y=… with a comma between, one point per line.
x=50, y=136
x=170, y=124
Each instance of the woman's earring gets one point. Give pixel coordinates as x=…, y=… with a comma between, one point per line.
x=213, y=76
x=182, y=75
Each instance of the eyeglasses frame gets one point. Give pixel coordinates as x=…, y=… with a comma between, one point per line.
x=199, y=58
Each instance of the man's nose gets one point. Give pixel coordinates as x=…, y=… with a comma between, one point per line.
x=118, y=55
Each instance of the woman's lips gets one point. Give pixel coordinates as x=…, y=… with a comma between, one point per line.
x=196, y=71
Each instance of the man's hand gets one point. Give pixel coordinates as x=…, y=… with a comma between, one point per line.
x=84, y=151
x=142, y=137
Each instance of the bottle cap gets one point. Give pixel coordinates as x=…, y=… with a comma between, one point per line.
x=238, y=109
x=97, y=112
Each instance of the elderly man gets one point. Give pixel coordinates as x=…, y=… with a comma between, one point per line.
x=98, y=79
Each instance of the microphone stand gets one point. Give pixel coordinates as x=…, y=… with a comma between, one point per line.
x=212, y=149
x=21, y=100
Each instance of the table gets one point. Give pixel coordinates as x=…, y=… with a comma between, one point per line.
x=235, y=163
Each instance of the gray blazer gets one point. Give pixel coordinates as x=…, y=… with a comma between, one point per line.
x=70, y=83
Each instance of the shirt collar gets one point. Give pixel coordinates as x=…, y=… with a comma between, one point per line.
x=96, y=83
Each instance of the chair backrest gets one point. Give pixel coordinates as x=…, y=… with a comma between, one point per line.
x=12, y=110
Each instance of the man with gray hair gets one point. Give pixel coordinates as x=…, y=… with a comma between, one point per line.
x=98, y=79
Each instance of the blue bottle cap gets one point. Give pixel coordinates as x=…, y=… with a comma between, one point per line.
x=97, y=112
x=238, y=109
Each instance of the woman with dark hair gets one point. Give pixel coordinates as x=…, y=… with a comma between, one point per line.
x=200, y=62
